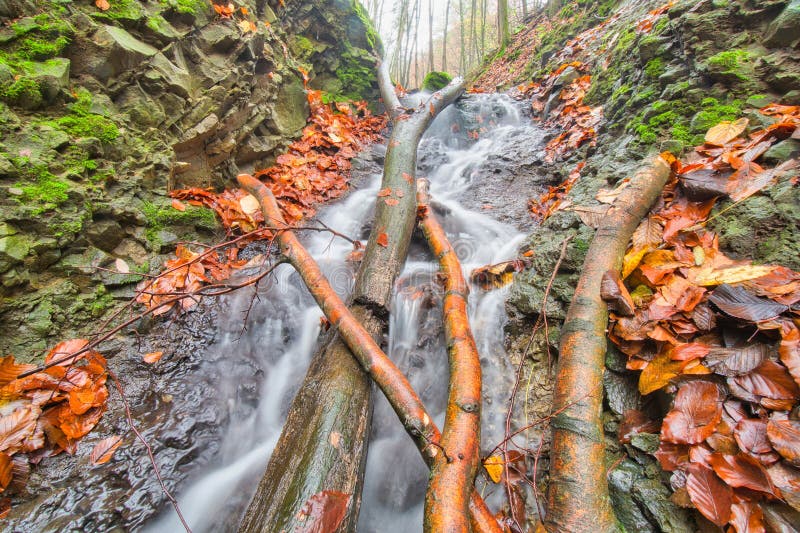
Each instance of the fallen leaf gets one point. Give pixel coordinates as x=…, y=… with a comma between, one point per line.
x=152, y=357
x=102, y=5
x=323, y=512
x=770, y=380
x=383, y=240
x=737, y=361
x=726, y=131
x=741, y=470
x=747, y=517
x=121, y=266
x=741, y=303
x=613, y=291
x=6, y=471
x=710, y=276
x=104, y=450
x=712, y=497
x=494, y=467
x=249, y=205
x=177, y=204
x=784, y=435
x=659, y=373
x=696, y=411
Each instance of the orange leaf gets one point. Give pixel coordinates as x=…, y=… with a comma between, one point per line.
x=152, y=357
x=385, y=192
x=5, y=471
x=392, y=201
x=104, y=450
x=383, y=240
x=177, y=204
x=408, y=177
x=696, y=412
x=726, y=131
x=102, y=5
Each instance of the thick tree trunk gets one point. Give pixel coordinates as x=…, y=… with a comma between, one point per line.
x=335, y=396
x=453, y=475
x=577, y=495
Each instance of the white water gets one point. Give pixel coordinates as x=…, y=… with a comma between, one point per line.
x=287, y=321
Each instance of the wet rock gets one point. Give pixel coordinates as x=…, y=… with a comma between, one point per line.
x=105, y=234
x=116, y=51
x=52, y=77
x=13, y=249
x=622, y=392
x=782, y=151
x=785, y=29
x=653, y=497
x=620, y=485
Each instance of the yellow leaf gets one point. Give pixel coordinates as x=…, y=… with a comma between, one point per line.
x=658, y=373
x=632, y=260
x=494, y=467
x=726, y=131
x=706, y=277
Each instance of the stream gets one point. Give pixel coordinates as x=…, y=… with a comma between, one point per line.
x=215, y=410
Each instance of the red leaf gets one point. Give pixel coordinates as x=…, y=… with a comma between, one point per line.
x=695, y=414
x=672, y=456
x=104, y=449
x=634, y=422
x=323, y=512
x=747, y=517
x=742, y=471
x=770, y=380
x=711, y=496
x=785, y=437
x=177, y=204
x=383, y=240
x=751, y=436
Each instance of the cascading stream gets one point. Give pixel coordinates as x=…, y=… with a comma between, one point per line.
x=285, y=325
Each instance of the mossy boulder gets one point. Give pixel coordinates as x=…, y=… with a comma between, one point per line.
x=435, y=80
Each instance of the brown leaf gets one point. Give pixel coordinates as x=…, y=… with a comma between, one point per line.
x=323, y=512
x=785, y=437
x=737, y=361
x=498, y=275
x=5, y=471
x=747, y=517
x=17, y=426
x=104, y=450
x=789, y=350
x=695, y=413
x=383, y=240
x=671, y=457
x=712, y=497
x=726, y=131
x=742, y=471
x=613, y=291
x=770, y=380
x=5, y=507
x=633, y=422
x=689, y=351
x=741, y=303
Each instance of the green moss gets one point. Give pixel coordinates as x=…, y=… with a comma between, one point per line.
x=373, y=39
x=101, y=302
x=191, y=7
x=23, y=89
x=41, y=188
x=159, y=217
x=70, y=227
x=713, y=112
x=661, y=25
x=89, y=126
x=654, y=68
x=581, y=245
x=356, y=74
x=301, y=47
x=156, y=23
x=734, y=63
x=436, y=80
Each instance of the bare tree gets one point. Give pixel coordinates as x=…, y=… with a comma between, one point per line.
x=503, y=34
x=446, y=31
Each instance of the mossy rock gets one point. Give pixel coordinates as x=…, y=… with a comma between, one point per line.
x=435, y=81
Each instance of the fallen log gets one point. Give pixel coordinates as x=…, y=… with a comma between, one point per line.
x=453, y=473
x=392, y=382
x=577, y=494
x=334, y=399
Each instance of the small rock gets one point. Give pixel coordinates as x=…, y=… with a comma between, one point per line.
x=13, y=249
x=783, y=151
x=15, y=191
x=105, y=234
x=52, y=77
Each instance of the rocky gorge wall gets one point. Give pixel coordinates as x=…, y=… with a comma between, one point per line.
x=103, y=112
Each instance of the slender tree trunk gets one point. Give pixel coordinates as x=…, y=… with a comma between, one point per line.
x=502, y=23
x=430, y=36
x=473, y=33
x=444, y=39
x=453, y=474
x=577, y=494
x=462, y=43
x=483, y=29
x=524, y=9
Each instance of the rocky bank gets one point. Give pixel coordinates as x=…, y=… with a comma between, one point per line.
x=103, y=112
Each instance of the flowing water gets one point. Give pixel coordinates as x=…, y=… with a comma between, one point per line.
x=284, y=325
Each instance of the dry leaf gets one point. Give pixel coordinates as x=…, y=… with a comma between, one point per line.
x=152, y=357
x=726, y=131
